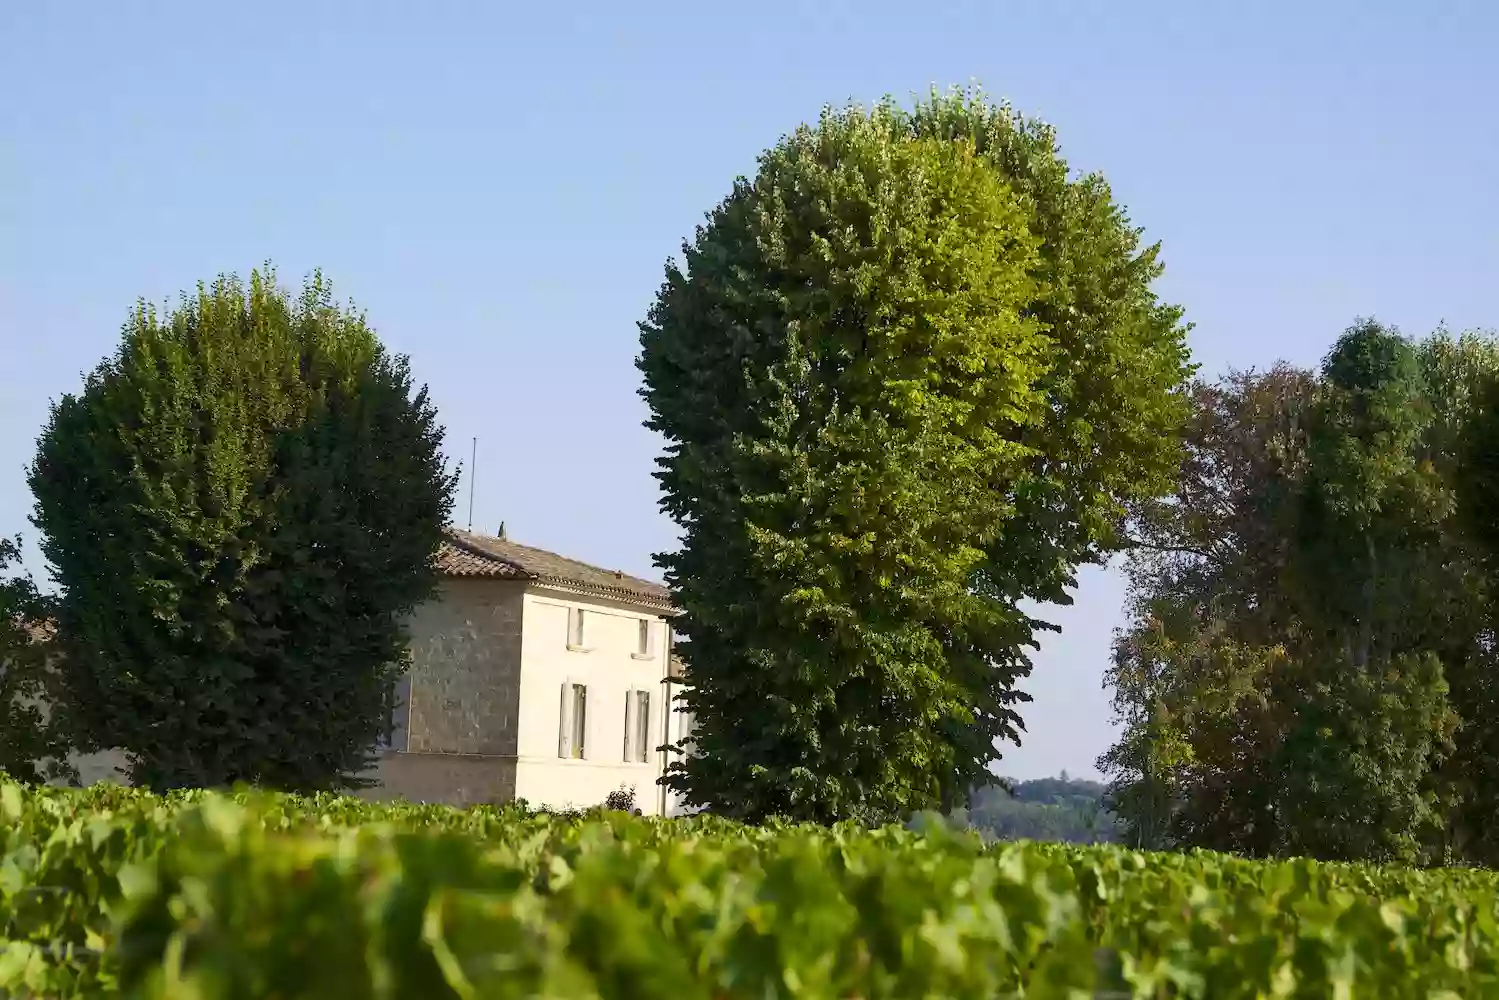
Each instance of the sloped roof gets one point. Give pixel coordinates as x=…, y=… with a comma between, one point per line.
x=37, y=631
x=467, y=554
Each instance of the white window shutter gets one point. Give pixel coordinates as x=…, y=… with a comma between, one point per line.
x=643, y=727
x=565, y=723
x=580, y=721
x=629, y=725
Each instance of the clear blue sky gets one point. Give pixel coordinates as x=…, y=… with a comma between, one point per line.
x=500, y=184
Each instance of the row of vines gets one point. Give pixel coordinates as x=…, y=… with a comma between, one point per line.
x=110, y=891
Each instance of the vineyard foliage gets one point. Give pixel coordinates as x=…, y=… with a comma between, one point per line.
x=110, y=891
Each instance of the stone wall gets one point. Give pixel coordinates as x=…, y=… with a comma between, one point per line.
x=465, y=674
x=455, y=737
x=451, y=779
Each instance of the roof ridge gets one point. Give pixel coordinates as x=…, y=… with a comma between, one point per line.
x=475, y=554
x=455, y=536
x=480, y=550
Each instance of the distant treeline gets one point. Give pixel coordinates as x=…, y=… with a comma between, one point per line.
x=1057, y=809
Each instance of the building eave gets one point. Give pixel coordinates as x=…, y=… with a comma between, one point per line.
x=624, y=595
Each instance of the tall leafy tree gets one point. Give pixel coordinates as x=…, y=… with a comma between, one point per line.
x=873, y=394
x=1301, y=668
x=241, y=507
x=1373, y=719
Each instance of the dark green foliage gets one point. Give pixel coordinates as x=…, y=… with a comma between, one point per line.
x=1356, y=760
x=622, y=799
x=1371, y=716
x=1479, y=471
x=888, y=423
x=1310, y=665
x=1473, y=463
x=33, y=745
x=241, y=506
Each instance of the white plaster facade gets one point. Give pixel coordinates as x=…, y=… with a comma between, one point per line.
x=624, y=685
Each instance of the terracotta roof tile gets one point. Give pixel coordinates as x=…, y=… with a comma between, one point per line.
x=467, y=554
x=458, y=560
x=37, y=631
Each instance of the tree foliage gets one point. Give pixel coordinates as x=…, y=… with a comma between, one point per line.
x=908, y=376
x=1060, y=810
x=241, y=506
x=1468, y=372
x=33, y=745
x=1307, y=663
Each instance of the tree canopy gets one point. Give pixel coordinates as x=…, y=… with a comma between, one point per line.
x=909, y=376
x=240, y=506
x=1309, y=658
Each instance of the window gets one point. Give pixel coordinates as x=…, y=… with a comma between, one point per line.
x=400, y=711
x=645, y=630
x=572, y=737
x=575, y=628
x=686, y=723
x=638, y=726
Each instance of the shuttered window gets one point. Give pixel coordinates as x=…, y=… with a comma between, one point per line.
x=572, y=741
x=637, y=727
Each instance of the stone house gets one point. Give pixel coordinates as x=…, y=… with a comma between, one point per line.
x=532, y=676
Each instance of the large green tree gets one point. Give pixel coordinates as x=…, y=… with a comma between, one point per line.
x=1304, y=667
x=909, y=375
x=241, y=507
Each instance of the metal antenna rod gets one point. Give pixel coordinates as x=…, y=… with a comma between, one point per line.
x=473, y=460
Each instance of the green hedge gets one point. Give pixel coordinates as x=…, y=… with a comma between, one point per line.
x=111, y=891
